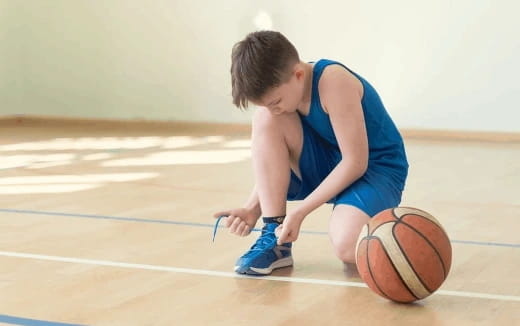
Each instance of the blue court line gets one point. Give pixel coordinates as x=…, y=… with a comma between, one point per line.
x=31, y=322
x=143, y=220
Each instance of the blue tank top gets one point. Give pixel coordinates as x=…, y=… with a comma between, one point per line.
x=385, y=144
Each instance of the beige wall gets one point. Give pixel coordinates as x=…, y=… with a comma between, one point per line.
x=10, y=64
x=442, y=65
x=437, y=64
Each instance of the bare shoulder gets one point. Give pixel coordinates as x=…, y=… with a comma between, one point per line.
x=337, y=82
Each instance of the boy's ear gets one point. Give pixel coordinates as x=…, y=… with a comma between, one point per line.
x=298, y=71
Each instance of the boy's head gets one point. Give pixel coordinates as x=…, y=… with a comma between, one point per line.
x=260, y=64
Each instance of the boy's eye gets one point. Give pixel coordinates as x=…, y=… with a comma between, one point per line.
x=273, y=104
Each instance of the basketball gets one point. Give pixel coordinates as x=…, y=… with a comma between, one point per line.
x=403, y=254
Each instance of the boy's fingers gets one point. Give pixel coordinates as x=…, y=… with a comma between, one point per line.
x=229, y=220
x=246, y=231
x=235, y=225
x=284, y=234
x=240, y=228
x=278, y=231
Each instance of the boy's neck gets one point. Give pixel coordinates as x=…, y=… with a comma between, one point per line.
x=304, y=105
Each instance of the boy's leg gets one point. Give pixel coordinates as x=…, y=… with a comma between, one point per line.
x=345, y=225
x=372, y=193
x=277, y=142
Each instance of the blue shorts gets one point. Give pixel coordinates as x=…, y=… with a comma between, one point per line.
x=374, y=192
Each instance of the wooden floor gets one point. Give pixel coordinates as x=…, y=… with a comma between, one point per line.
x=111, y=225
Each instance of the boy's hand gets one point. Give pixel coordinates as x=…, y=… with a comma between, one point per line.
x=289, y=230
x=240, y=221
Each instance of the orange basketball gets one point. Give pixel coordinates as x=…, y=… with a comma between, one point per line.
x=403, y=254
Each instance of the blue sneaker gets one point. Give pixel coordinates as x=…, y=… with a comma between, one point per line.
x=265, y=255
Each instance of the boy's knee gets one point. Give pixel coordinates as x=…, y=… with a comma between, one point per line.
x=263, y=119
x=345, y=250
x=283, y=129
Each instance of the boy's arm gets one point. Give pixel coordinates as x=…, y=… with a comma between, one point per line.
x=341, y=95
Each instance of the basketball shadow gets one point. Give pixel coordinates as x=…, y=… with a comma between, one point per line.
x=418, y=312
x=416, y=305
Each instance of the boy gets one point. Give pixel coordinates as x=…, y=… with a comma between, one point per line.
x=320, y=135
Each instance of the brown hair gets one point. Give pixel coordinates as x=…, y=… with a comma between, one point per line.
x=258, y=63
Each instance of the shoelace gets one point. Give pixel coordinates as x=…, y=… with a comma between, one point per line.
x=216, y=226
x=264, y=241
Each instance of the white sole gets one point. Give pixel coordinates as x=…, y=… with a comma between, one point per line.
x=284, y=262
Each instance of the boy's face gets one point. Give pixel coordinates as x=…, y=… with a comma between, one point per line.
x=286, y=97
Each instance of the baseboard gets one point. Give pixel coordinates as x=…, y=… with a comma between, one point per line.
x=240, y=128
x=461, y=135
x=125, y=124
